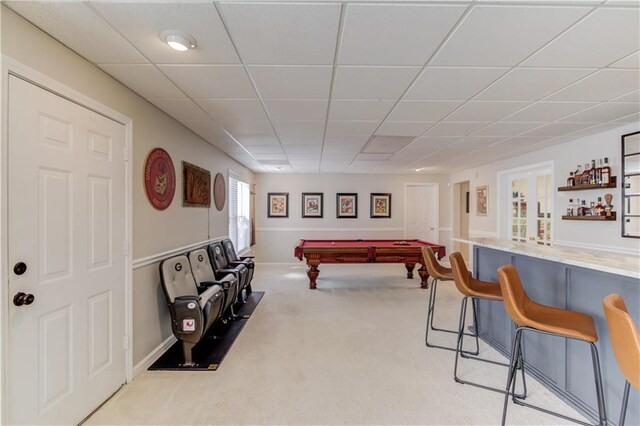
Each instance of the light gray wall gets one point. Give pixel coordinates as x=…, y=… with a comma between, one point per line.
x=276, y=237
x=154, y=232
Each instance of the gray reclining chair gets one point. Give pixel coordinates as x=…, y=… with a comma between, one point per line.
x=233, y=259
x=192, y=312
x=222, y=267
x=203, y=274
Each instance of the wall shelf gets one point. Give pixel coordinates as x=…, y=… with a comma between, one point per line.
x=611, y=184
x=601, y=218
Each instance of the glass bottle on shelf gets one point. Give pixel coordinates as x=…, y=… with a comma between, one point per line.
x=592, y=209
x=600, y=207
x=599, y=172
x=584, y=180
x=571, y=181
x=571, y=208
x=605, y=172
x=592, y=173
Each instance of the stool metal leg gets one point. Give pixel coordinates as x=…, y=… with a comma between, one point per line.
x=602, y=411
x=512, y=372
x=625, y=401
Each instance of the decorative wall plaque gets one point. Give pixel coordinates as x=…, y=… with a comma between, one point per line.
x=159, y=178
x=219, y=191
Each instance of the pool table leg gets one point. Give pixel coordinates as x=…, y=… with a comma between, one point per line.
x=424, y=275
x=313, y=273
x=410, y=267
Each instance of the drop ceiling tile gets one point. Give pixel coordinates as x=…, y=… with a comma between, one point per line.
x=250, y=141
x=434, y=142
x=601, y=86
x=373, y=157
x=504, y=36
x=306, y=166
x=604, y=112
x=211, y=81
x=181, y=109
x=145, y=80
x=300, y=139
x=248, y=127
x=359, y=109
x=594, y=129
x=521, y=141
x=333, y=166
x=548, y=111
x=296, y=109
x=557, y=129
x=629, y=97
x=268, y=156
x=143, y=22
x=363, y=165
x=75, y=24
x=349, y=128
x=422, y=110
x=452, y=129
x=387, y=144
x=233, y=109
x=264, y=149
x=404, y=128
x=372, y=82
x=631, y=61
x=445, y=83
x=603, y=37
x=405, y=34
x=299, y=127
x=506, y=129
x=283, y=33
x=209, y=130
x=337, y=156
x=485, y=110
x=344, y=144
x=477, y=142
x=531, y=84
x=303, y=149
x=633, y=118
x=292, y=82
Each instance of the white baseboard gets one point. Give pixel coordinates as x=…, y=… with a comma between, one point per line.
x=153, y=356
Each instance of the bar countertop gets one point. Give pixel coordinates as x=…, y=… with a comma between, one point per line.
x=613, y=263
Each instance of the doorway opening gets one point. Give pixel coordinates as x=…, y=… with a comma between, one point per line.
x=461, y=209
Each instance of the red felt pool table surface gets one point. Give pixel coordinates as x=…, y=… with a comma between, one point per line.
x=407, y=251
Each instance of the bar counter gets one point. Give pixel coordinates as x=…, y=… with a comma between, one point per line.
x=567, y=278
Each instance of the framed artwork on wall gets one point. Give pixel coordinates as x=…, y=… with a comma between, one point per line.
x=196, y=184
x=347, y=205
x=312, y=204
x=482, y=200
x=278, y=204
x=380, y=205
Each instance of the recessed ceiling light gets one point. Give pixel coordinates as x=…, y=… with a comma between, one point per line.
x=178, y=40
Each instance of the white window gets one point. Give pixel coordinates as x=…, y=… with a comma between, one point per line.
x=239, y=213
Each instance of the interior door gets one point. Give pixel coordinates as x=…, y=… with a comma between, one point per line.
x=66, y=239
x=421, y=205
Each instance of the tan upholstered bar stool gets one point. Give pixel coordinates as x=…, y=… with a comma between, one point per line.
x=536, y=318
x=438, y=273
x=625, y=340
x=475, y=290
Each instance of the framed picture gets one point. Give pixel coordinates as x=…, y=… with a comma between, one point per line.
x=347, y=206
x=278, y=204
x=482, y=200
x=312, y=205
x=196, y=185
x=380, y=205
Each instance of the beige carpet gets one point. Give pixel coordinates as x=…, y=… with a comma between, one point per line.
x=351, y=352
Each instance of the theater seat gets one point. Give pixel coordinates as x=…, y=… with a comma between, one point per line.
x=204, y=276
x=233, y=259
x=192, y=312
x=222, y=267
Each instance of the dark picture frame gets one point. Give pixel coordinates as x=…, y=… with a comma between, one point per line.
x=312, y=205
x=380, y=205
x=196, y=186
x=278, y=204
x=347, y=205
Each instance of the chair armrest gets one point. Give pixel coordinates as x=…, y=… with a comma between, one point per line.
x=247, y=257
x=187, y=318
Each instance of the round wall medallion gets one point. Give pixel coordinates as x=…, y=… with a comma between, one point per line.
x=159, y=178
x=219, y=192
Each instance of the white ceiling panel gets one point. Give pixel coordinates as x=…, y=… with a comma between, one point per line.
x=359, y=109
x=521, y=141
x=302, y=149
x=373, y=157
x=372, y=82
x=506, y=129
x=504, y=36
x=337, y=156
x=600, y=86
x=296, y=109
x=343, y=145
x=209, y=130
x=363, y=165
x=477, y=142
x=385, y=34
x=404, y=128
x=283, y=33
x=211, y=81
x=631, y=61
x=145, y=80
x=429, y=143
x=233, y=109
x=299, y=127
x=588, y=131
x=387, y=144
x=633, y=118
x=247, y=127
x=349, y=128
x=531, y=84
x=604, y=112
x=249, y=141
x=548, y=111
x=333, y=166
x=588, y=45
x=422, y=110
x=485, y=110
x=455, y=129
x=558, y=129
x=141, y=23
x=444, y=83
x=300, y=139
x=292, y=82
x=181, y=109
x=629, y=97
x=76, y=25
x=265, y=149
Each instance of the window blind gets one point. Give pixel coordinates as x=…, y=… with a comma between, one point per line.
x=239, y=211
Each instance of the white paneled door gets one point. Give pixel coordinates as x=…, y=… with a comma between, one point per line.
x=421, y=206
x=66, y=225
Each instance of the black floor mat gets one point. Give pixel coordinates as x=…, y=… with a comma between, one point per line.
x=209, y=353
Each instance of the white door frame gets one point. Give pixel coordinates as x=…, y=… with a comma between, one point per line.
x=435, y=208
x=12, y=67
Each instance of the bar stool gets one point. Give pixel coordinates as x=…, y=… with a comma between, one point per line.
x=439, y=273
x=625, y=340
x=534, y=317
x=475, y=290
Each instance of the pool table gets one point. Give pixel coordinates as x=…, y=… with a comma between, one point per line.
x=365, y=251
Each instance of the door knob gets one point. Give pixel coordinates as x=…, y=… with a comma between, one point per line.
x=23, y=299
x=20, y=268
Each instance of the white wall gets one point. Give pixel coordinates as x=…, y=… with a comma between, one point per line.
x=277, y=237
x=565, y=157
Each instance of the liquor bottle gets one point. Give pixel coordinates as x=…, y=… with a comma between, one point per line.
x=599, y=172
x=571, y=211
x=582, y=207
x=571, y=181
x=600, y=207
x=606, y=172
x=592, y=209
x=592, y=173
x=584, y=180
